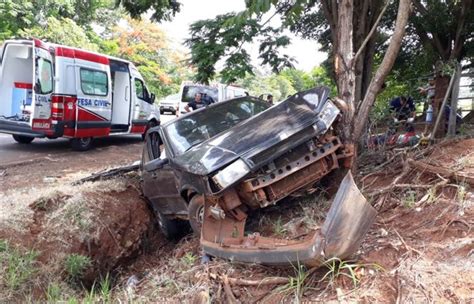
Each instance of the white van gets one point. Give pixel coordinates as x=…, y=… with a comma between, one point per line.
x=217, y=91
x=50, y=90
x=169, y=103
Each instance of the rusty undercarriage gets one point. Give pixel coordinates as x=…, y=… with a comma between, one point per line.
x=347, y=221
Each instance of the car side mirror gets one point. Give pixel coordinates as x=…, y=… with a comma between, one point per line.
x=155, y=164
x=152, y=98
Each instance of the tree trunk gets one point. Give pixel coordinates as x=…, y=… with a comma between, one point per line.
x=344, y=67
x=404, y=9
x=441, y=86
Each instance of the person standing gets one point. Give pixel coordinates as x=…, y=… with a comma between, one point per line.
x=197, y=103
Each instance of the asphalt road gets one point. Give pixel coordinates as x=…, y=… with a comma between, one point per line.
x=13, y=152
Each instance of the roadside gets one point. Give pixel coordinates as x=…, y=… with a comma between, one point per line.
x=419, y=250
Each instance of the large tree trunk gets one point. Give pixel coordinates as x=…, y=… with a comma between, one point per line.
x=344, y=67
x=441, y=86
x=360, y=123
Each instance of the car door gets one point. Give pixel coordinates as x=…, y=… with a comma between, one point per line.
x=43, y=79
x=159, y=182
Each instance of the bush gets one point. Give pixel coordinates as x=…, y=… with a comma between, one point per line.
x=76, y=264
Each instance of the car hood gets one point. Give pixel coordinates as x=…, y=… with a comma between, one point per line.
x=256, y=134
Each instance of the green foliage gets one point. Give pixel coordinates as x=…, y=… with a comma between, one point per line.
x=225, y=37
x=162, y=9
x=53, y=292
x=17, y=267
x=278, y=228
x=145, y=44
x=62, y=31
x=76, y=264
x=296, y=284
x=339, y=268
x=14, y=15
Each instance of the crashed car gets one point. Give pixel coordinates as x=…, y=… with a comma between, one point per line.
x=214, y=166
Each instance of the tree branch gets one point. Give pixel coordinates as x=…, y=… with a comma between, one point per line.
x=372, y=31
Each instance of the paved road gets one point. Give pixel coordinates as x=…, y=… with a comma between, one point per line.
x=12, y=152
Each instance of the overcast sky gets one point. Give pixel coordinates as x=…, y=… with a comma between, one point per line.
x=304, y=51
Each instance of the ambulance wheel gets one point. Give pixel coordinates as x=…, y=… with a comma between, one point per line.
x=81, y=144
x=23, y=139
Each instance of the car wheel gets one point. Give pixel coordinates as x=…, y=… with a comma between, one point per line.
x=162, y=112
x=173, y=112
x=196, y=213
x=172, y=229
x=149, y=125
x=81, y=144
x=23, y=139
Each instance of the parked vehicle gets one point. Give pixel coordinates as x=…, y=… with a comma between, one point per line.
x=217, y=91
x=170, y=104
x=214, y=166
x=50, y=90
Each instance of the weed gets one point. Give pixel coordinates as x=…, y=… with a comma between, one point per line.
x=409, y=199
x=53, y=293
x=189, y=259
x=18, y=267
x=76, y=264
x=461, y=193
x=278, y=228
x=337, y=268
x=3, y=245
x=296, y=284
x=105, y=288
x=90, y=297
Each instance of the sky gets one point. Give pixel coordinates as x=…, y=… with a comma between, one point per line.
x=306, y=52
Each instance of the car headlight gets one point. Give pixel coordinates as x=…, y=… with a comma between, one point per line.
x=231, y=173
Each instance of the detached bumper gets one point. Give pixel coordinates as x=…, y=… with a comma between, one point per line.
x=346, y=224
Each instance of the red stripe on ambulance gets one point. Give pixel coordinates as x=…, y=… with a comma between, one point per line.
x=79, y=54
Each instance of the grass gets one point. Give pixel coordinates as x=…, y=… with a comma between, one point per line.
x=18, y=267
x=278, y=228
x=409, y=199
x=338, y=268
x=296, y=284
x=188, y=259
x=76, y=264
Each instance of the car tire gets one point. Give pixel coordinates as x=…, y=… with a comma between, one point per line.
x=162, y=112
x=23, y=139
x=196, y=213
x=81, y=144
x=149, y=125
x=173, y=112
x=172, y=229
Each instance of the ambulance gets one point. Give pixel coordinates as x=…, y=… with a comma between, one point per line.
x=49, y=90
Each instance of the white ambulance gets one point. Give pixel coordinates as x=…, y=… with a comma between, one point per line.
x=216, y=91
x=49, y=90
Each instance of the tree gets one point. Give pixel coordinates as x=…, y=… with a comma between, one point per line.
x=145, y=44
x=212, y=40
x=447, y=29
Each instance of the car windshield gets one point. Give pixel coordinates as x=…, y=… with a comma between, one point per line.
x=200, y=126
x=191, y=90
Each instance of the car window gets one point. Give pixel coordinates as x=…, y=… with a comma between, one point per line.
x=190, y=91
x=94, y=82
x=154, y=145
x=44, y=68
x=140, y=89
x=203, y=125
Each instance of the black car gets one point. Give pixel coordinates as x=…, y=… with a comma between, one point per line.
x=213, y=166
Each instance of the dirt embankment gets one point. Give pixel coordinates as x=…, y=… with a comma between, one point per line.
x=105, y=221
